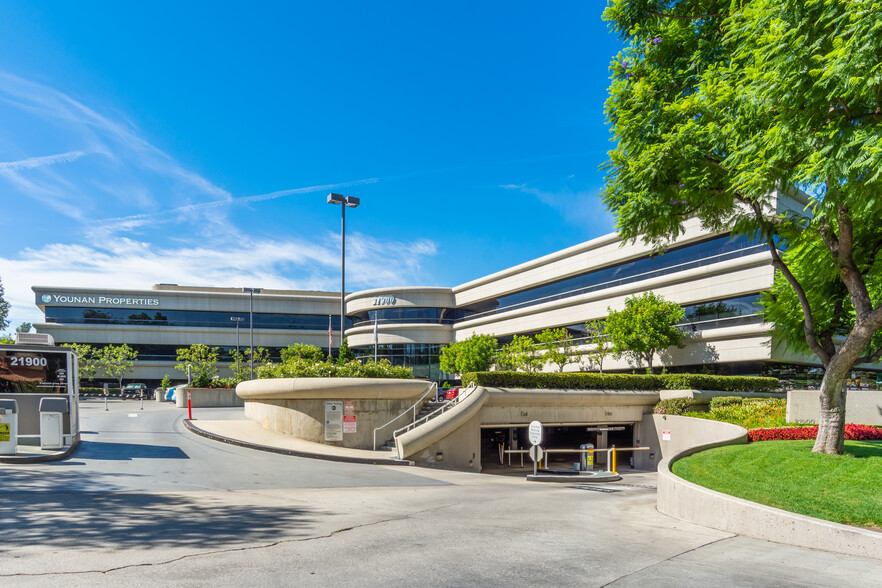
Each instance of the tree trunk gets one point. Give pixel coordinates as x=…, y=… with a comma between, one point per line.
x=831, y=421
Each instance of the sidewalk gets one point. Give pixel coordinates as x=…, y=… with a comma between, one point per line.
x=246, y=433
x=33, y=454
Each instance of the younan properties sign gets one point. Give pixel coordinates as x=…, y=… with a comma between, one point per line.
x=98, y=300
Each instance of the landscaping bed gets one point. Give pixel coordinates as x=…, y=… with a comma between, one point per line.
x=787, y=475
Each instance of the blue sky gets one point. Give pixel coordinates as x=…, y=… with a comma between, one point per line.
x=196, y=143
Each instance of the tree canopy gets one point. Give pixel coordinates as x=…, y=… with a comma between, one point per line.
x=719, y=109
x=117, y=361
x=202, y=360
x=473, y=354
x=558, y=346
x=647, y=325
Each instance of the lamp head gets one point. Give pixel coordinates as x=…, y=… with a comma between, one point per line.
x=336, y=198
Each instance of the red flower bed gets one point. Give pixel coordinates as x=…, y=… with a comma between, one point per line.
x=852, y=433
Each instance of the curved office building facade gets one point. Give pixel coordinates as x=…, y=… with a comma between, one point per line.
x=716, y=277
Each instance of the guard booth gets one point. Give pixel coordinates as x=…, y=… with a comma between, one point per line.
x=34, y=370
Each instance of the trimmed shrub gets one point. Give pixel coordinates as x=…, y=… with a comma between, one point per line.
x=676, y=406
x=721, y=401
x=592, y=380
x=852, y=433
x=752, y=413
x=301, y=368
x=723, y=383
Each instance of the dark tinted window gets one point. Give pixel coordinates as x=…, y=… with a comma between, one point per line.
x=32, y=371
x=671, y=261
x=189, y=318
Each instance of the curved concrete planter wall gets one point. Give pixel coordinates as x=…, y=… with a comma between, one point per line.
x=696, y=504
x=296, y=406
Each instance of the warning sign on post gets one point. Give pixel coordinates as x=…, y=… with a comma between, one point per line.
x=349, y=423
x=333, y=420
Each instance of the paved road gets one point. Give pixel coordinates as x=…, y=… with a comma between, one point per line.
x=143, y=502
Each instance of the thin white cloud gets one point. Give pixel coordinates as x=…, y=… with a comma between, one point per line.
x=284, y=264
x=580, y=207
x=127, y=163
x=32, y=162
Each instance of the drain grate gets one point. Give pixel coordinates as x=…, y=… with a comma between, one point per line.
x=639, y=486
x=596, y=489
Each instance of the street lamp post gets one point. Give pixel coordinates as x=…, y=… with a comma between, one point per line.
x=251, y=293
x=347, y=202
x=238, y=320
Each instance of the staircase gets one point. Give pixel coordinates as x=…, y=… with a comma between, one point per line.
x=427, y=408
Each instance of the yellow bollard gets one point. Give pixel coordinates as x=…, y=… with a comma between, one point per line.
x=614, y=460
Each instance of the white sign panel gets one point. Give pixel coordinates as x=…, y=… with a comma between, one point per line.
x=333, y=420
x=666, y=435
x=349, y=423
x=535, y=433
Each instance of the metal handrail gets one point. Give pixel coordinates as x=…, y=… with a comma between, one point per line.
x=433, y=387
x=438, y=411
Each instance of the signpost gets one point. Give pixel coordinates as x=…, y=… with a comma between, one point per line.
x=534, y=434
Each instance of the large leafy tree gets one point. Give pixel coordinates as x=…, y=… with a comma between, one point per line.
x=719, y=107
x=117, y=361
x=521, y=353
x=647, y=325
x=202, y=361
x=558, y=346
x=473, y=354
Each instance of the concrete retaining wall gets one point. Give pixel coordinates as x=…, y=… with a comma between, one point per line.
x=696, y=504
x=296, y=406
x=207, y=398
x=863, y=407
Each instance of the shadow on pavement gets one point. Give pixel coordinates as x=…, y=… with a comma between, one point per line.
x=126, y=451
x=100, y=517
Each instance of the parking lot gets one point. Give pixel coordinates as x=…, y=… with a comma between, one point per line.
x=144, y=502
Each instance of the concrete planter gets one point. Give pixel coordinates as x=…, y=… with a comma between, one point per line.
x=208, y=398
x=296, y=406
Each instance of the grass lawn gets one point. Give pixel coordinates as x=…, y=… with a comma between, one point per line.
x=787, y=475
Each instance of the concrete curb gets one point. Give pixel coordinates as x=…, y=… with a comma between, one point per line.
x=293, y=452
x=26, y=459
x=690, y=502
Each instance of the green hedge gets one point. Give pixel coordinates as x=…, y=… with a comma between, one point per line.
x=678, y=406
x=591, y=380
x=88, y=390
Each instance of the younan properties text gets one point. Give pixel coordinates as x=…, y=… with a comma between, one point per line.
x=114, y=300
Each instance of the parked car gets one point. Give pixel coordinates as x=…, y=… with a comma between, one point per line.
x=134, y=390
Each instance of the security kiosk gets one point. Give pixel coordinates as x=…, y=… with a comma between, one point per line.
x=41, y=380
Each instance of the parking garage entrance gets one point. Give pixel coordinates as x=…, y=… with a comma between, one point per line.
x=503, y=447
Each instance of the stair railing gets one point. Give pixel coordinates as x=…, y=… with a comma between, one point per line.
x=438, y=411
x=432, y=388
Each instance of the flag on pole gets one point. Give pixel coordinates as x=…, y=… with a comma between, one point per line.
x=330, y=336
